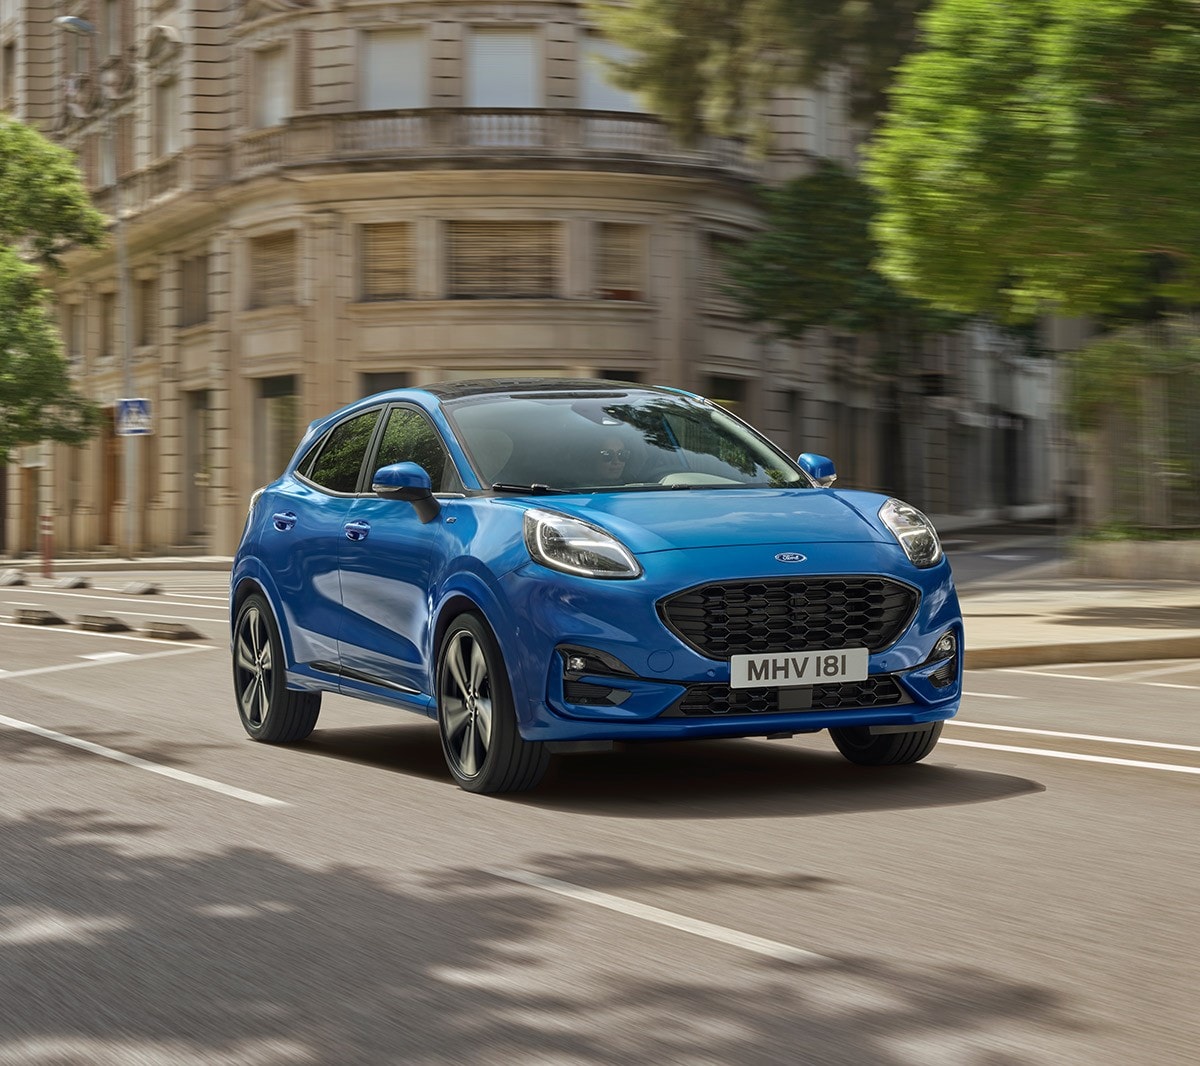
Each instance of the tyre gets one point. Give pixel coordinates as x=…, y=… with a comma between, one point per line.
x=270, y=711
x=476, y=719
x=858, y=744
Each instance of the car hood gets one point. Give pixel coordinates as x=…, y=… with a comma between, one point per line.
x=714, y=518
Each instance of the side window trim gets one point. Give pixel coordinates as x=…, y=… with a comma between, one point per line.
x=314, y=454
x=373, y=451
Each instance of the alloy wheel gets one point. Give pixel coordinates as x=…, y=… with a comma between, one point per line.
x=465, y=703
x=254, y=667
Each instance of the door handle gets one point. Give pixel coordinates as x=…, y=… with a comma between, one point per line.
x=357, y=530
x=284, y=520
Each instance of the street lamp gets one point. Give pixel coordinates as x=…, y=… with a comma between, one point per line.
x=81, y=27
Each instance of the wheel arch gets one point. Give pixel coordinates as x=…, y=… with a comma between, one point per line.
x=472, y=595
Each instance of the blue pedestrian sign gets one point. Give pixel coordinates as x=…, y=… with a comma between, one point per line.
x=133, y=417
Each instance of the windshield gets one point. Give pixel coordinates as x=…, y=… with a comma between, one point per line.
x=614, y=441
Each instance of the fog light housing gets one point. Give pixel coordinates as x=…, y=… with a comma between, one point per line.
x=945, y=648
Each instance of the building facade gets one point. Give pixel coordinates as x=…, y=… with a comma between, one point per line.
x=323, y=198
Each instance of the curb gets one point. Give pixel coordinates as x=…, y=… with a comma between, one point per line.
x=1091, y=651
x=205, y=563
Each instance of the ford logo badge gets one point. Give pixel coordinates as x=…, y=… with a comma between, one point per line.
x=791, y=557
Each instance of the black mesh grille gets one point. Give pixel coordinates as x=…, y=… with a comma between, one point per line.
x=790, y=614
x=709, y=700
x=944, y=676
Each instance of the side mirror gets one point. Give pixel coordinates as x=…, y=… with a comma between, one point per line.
x=409, y=482
x=818, y=467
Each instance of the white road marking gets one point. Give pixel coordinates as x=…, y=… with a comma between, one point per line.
x=1076, y=756
x=1158, y=671
x=109, y=656
x=13, y=674
x=1091, y=677
x=1075, y=736
x=127, y=599
x=143, y=764
x=71, y=632
x=733, y=937
x=992, y=696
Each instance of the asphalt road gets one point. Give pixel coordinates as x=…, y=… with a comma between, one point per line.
x=172, y=893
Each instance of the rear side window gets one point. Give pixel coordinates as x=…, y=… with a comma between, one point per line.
x=409, y=437
x=341, y=456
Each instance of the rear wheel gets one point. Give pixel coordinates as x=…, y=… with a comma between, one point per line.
x=270, y=711
x=476, y=719
x=859, y=745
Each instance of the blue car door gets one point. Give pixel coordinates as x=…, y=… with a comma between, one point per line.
x=302, y=534
x=389, y=561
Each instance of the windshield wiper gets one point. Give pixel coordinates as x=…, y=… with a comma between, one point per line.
x=536, y=489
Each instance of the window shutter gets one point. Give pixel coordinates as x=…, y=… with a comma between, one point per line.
x=195, y=290
x=387, y=266
x=273, y=270
x=619, y=262
x=395, y=72
x=124, y=146
x=503, y=69
x=503, y=260
x=148, y=312
x=715, y=277
x=303, y=70
x=596, y=90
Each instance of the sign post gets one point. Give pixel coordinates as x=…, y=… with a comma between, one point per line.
x=134, y=418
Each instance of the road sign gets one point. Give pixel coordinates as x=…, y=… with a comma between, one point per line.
x=133, y=417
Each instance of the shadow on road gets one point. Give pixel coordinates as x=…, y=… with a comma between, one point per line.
x=1165, y=617
x=694, y=779
x=117, y=947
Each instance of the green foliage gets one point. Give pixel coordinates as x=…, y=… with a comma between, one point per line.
x=811, y=265
x=1105, y=377
x=1041, y=154
x=710, y=66
x=43, y=209
x=36, y=399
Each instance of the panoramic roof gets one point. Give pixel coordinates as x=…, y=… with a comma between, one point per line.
x=457, y=390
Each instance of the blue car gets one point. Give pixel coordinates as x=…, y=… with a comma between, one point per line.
x=546, y=566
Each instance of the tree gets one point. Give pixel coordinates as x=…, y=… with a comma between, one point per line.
x=44, y=209
x=811, y=265
x=1041, y=154
x=710, y=66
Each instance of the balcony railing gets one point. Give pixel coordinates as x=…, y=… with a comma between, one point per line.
x=192, y=170
x=606, y=138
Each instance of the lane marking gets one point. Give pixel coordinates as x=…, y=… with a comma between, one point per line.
x=1076, y=736
x=1076, y=756
x=1090, y=677
x=68, y=631
x=992, y=696
x=13, y=674
x=747, y=941
x=143, y=764
x=109, y=656
x=1158, y=671
x=127, y=599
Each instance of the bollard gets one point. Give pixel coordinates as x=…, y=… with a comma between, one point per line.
x=47, y=522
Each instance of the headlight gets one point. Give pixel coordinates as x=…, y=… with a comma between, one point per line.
x=575, y=547
x=914, y=531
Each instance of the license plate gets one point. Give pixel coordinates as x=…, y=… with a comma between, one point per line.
x=791, y=668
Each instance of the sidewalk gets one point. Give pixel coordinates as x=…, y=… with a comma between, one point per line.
x=1036, y=616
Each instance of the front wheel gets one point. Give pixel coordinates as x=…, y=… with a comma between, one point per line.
x=270, y=711
x=476, y=719
x=860, y=745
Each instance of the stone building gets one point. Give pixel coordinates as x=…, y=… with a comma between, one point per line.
x=323, y=198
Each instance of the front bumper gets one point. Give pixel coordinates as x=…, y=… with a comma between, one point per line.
x=593, y=660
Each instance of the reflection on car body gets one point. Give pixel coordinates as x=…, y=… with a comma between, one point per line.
x=548, y=565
